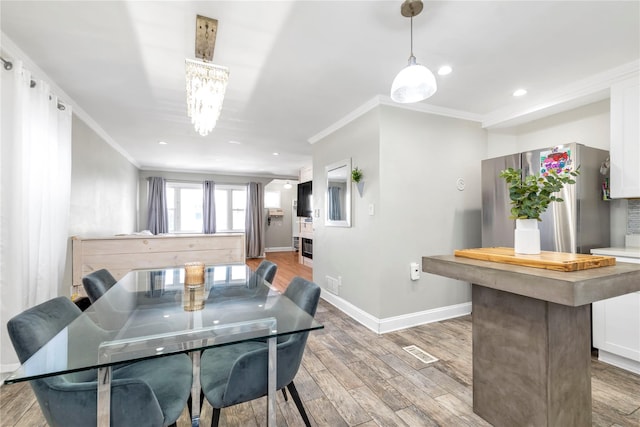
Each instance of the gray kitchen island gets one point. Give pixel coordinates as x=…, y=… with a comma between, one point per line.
x=532, y=337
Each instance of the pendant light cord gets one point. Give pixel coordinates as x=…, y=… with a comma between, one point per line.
x=411, y=34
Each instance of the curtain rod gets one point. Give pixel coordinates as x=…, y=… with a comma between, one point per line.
x=8, y=65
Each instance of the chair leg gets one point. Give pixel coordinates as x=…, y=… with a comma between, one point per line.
x=215, y=418
x=284, y=393
x=298, y=402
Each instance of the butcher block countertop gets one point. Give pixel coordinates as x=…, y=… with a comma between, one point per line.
x=572, y=288
x=559, y=261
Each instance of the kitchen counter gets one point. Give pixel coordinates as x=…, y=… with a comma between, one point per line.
x=618, y=252
x=573, y=288
x=531, y=337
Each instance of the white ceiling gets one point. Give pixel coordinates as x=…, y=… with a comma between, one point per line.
x=298, y=67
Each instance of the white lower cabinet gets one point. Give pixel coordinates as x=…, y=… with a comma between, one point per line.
x=616, y=327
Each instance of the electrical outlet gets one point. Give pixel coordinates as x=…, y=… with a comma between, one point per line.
x=414, y=271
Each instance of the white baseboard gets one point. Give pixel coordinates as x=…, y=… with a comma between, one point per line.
x=280, y=249
x=6, y=369
x=619, y=361
x=390, y=324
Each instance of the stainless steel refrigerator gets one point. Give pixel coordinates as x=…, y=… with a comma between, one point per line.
x=576, y=225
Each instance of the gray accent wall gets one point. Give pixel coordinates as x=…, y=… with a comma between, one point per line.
x=410, y=162
x=280, y=233
x=104, y=191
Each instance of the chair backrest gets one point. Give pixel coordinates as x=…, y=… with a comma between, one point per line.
x=97, y=283
x=246, y=380
x=304, y=294
x=33, y=328
x=267, y=270
x=69, y=400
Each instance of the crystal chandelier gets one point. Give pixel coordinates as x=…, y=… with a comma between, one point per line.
x=206, y=85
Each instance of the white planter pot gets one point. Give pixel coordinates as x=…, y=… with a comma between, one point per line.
x=527, y=237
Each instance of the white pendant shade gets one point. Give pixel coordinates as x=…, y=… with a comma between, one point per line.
x=413, y=83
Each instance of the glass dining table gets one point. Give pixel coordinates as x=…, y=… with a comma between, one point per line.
x=152, y=313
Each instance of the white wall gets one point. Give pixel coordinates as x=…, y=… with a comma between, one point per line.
x=588, y=125
x=410, y=163
x=104, y=191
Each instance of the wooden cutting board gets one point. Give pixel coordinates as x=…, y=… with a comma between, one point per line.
x=558, y=261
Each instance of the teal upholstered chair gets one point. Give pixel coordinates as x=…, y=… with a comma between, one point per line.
x=97, y=283
x=238, y=373
x=267, y=270
x=152, y=392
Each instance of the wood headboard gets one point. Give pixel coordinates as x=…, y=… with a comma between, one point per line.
x=121, y=254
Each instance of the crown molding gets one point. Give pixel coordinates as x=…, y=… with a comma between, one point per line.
x=432, y=109
x=579, y=93
x=361, y=110
x=387, y=101
x=574, y=95
x=15, y=53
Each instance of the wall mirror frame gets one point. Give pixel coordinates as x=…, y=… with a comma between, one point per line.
x=338, y=194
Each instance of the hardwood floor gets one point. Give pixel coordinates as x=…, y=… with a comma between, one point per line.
x=351, y=376
x=288, y=268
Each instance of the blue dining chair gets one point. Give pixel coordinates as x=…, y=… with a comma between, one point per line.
x=97, y=283
x=267, y=270
x=150, y=393
x=237, y=373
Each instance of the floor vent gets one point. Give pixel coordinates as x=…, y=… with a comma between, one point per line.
x=419, y=353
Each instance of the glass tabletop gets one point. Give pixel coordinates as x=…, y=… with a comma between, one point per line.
x=152, y=313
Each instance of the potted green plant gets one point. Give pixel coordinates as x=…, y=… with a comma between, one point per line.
x=530, y=197
x=356, y=176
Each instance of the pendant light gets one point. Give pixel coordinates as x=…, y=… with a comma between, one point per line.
x=415, y=82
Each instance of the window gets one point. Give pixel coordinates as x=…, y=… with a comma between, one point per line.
x=231, y=204
x=184, y=207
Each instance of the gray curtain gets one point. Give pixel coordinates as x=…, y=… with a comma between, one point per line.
x=209, y=207
x=334, y=204
x=157, y=217
x=254, y=220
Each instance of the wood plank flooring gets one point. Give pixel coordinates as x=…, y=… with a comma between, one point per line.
x=351, y=376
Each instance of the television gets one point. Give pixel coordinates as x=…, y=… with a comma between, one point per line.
x=305, y=200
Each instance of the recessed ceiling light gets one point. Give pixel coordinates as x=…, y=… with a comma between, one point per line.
x=235, y=142
x=162, y=143
x=444, y=70
x=520, y=92
x=276, y=154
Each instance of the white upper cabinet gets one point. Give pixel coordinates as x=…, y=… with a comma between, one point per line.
x=625, y=139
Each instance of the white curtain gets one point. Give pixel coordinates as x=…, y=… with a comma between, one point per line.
x=35, y=178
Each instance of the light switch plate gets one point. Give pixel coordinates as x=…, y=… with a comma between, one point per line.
x=372, y=209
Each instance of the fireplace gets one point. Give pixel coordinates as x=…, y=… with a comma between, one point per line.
x=307, y=248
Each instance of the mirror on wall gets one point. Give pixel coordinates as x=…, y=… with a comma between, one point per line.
x=338, y=197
